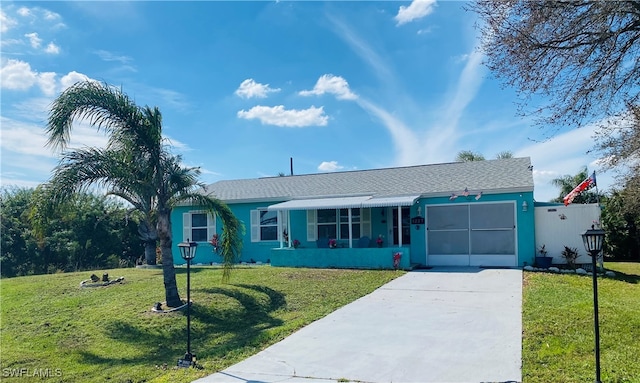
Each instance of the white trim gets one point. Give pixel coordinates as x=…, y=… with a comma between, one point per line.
x=312, y=217
x=320, y=203
x=390, y=201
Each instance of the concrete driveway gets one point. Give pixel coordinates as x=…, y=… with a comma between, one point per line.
x=437, y=325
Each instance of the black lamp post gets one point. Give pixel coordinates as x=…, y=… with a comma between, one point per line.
x=188, y=252
x=593, y=240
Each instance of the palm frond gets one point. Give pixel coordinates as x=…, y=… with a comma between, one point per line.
x=104, y=107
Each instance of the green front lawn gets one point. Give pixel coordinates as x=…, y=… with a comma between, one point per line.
x=558, y=340
x=51, y=327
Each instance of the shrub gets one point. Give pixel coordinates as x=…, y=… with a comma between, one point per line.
x=570, y=254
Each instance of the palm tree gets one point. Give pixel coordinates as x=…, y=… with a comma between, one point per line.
x=135, y=165
x=504, y=155
x=469, y=156
x=567, y=183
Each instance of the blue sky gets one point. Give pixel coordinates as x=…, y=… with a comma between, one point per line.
x=245, y=86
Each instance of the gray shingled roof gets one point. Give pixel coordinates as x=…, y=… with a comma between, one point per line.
x=490, y=176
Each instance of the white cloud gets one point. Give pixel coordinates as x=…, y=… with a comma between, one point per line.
x=17, y=75
x=47, y=82
x=249, y=89
x=52, y=49
x=378, y=62
x=34, y=40
x=51, y=16
x=23, y=138
x=329, y=166
x=408, y=148
x=6, y=22
x=279, y=116
x=71, y=78
x=416, y=10
x=331, y=84
x=24, y=12
x=109, y=56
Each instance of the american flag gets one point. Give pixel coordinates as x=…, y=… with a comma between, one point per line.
x=584, y=185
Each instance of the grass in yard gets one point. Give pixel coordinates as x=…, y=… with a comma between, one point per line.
x=51, y=327
x=558, y=340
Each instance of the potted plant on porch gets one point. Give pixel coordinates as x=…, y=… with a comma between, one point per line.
x=543, y=261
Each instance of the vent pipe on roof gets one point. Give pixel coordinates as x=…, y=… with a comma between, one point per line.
x=291, y=164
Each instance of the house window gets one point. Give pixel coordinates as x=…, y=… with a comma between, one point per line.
x=327, y=223
x=264, y=225
x=344, y=223
x=198, y=226
x=334, y=223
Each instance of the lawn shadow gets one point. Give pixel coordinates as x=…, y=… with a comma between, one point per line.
x=629, y=278
x=237, y=326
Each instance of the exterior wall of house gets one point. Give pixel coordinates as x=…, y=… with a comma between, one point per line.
x=251, y=251
x=381, y=225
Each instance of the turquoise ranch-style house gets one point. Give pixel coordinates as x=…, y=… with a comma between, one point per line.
x=452, y=214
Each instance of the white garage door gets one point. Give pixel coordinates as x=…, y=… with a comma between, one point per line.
x=481, y=234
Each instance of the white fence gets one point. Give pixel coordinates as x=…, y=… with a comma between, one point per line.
x=560, y=226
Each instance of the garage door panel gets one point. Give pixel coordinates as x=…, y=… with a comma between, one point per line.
x=449, y=260
x=482, y=234
x=448, y=242
x=493, y=242
x=492, y=260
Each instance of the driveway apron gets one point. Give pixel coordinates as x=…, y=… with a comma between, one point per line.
x=437, y=325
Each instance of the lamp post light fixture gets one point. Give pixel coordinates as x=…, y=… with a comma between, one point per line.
x=188, y=252
x=593, y=240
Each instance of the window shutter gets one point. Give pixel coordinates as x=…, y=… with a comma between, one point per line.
x=255, y=225
x=311, y=226
x=211, y=225
x=186, y=226
x=365, y=229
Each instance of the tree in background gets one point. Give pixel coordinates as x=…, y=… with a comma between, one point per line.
x=504, y=154
x=136, y=165
x=469, y=156
x=86, y=232
x=582, y=56
x=619, y=145
x=622, y=227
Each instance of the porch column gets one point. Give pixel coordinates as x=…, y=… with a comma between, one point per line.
x=289, y=228
x=280, y=229
x=350, y=230
x=399, y=226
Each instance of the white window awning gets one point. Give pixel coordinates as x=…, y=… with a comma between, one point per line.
x=321, y=203
x=390, y=201
x=344, y=202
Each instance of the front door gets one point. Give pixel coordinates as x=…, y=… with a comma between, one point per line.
x=406, y=225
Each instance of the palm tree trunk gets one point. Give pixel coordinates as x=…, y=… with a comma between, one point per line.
x=150, y=252
x=172, y=297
